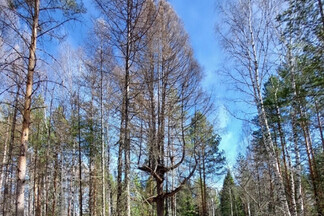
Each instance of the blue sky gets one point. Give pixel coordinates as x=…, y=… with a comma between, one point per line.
x=199, y=18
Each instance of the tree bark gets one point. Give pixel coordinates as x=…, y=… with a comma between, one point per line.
x=5, y=154
x=126, y=95
x=299, y=197
x=103, y=185
x=109, y=200
x=120, y=204
x=294, y=211
x=22, y=160
x=4, y=165
x=160, y=200
x=283, y=143
x=201, y=190
x=92, y=165
x=205, y=212
x=8, y=165
x=80, y=157
x=56, y=168
x=318, y=115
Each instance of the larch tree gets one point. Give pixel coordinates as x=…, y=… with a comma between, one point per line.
x=128, y=24
x=170, y=78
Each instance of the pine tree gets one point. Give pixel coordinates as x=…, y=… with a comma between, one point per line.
x=229, y=201
x=210, y=159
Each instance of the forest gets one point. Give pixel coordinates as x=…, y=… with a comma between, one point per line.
x=122, y=125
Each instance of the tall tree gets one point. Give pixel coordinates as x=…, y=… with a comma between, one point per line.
x=171, y=79
x=39, y=17
x=210, y=159
x=127, y=27
x=249, y=40
x=303, y=42
x=229, y=200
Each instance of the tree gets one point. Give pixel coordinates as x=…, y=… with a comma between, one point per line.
x=303, y=43
x=210, y=159
x=39, y=17
x=249, y=40
x=229, y=201
x=186, y=203
x=170, y=78
x=127, y=28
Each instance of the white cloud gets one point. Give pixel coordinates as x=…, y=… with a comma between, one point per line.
x=223, y=117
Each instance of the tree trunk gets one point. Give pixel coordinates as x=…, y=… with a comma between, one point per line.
x=90, y=203
x=61, y=194
x=248, y=207
x=318, y=115
x=299, y=197
x=283, y=144
x=109, y=200
x=34, y=183
x=231, y=201
x=160, y=200
x=39, y=196
x=56, y=167
x=201, y=190
x=126, y=95
x=294, y=211
x=4, y=168
x=4, y=159
x=271, y=152
x=120, y=204
x=266, y=133
x=288, y=174
x=46, y=179
x=204, y=185
x=258, y=98
x=46, y=176
x=80, y=157
x=296, y=104
x=92, y=165
x=8, y=165
x=22, y=160
x=103, y=184
x=272, y=198
x=124, y=142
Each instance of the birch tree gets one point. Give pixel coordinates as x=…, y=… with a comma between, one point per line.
x=249, y=39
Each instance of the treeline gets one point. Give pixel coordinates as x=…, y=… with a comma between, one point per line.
x=115, y=127
x=278, y=49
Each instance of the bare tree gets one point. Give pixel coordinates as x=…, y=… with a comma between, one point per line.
x=127, y=27
x=249, y=40
x=169, y=78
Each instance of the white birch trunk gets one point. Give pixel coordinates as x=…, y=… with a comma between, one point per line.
x=258, y=98
x=4, y=159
